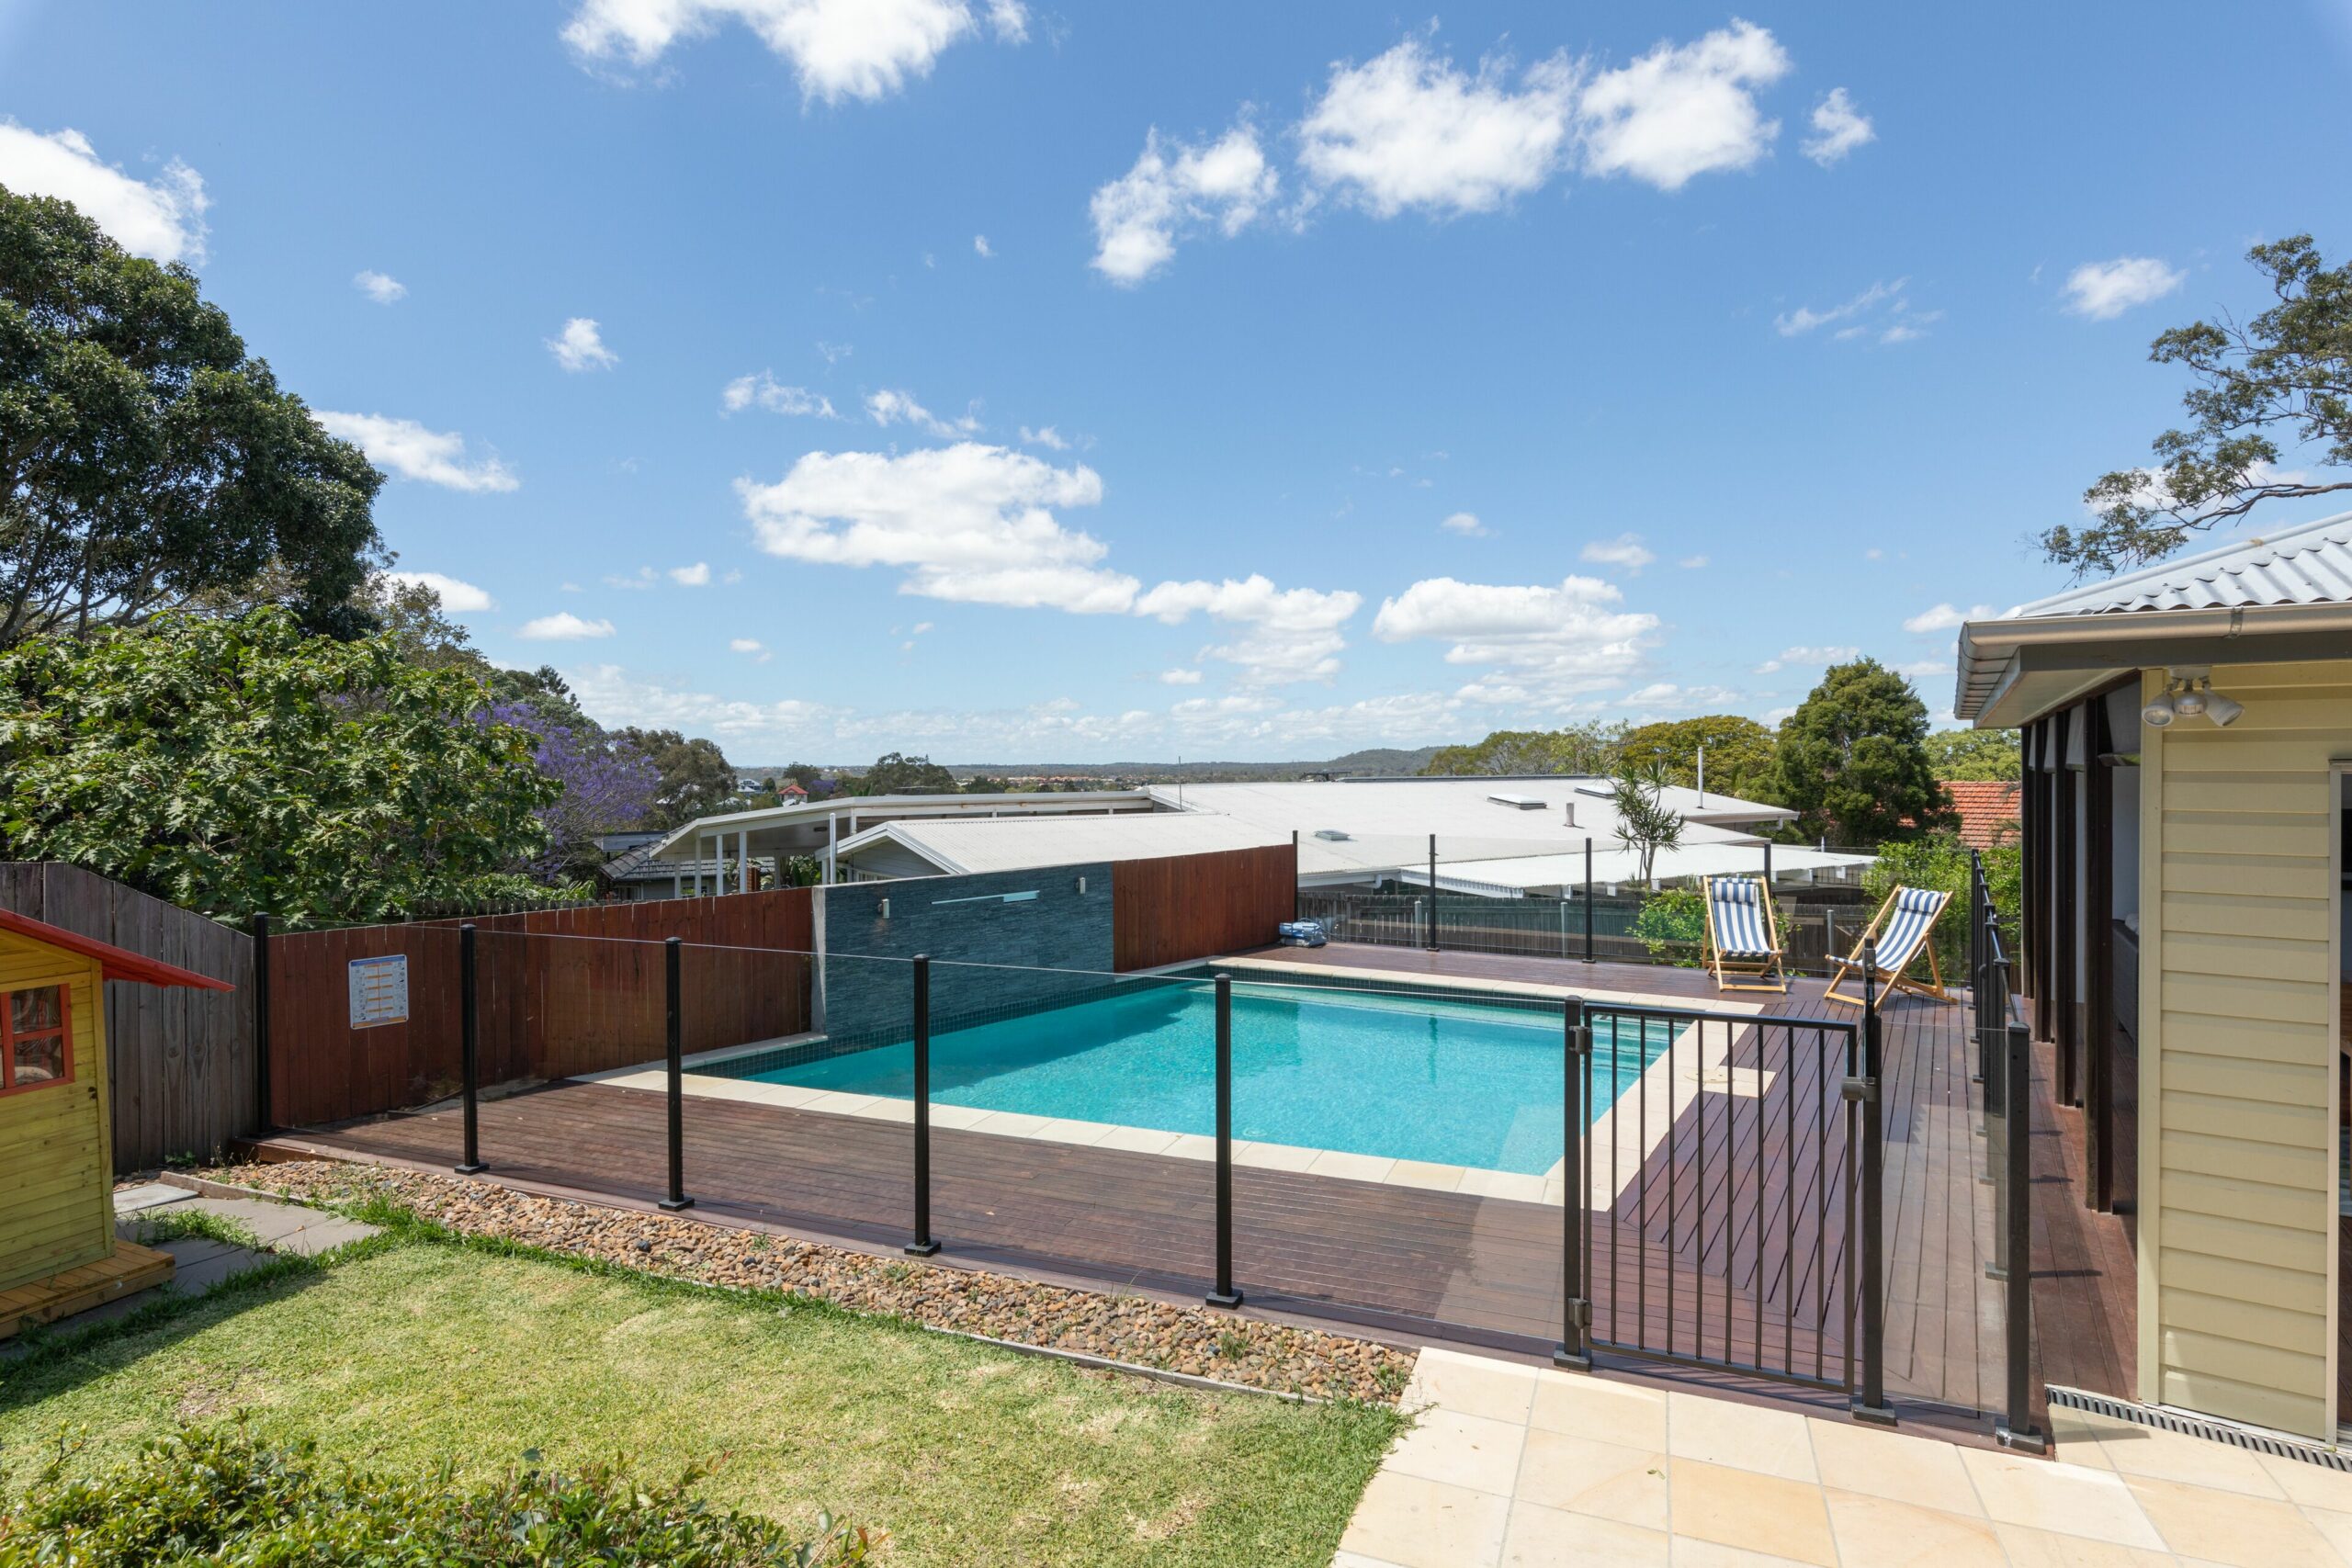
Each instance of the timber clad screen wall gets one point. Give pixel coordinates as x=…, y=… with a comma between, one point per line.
x=180, y=1073
x=2239, y=1051
x=1186, y=907
x=560, y=992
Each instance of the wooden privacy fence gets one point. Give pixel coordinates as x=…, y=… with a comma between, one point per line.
x=560, y=992
x=180, y=1063
x=1184, y=906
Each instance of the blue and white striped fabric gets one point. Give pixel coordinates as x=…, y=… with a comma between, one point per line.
x=1735, y=907
x=1916, y=909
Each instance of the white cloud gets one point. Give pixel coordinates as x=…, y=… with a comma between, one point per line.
x=1947, y=617
x=456, y=596
x=1804, y=657
x=753, y=646
x=1285, y=634
x=1667, y=696
x=2104, y=291
x=968, y=521
x=382, y=287
x=695, y=576
x=1410, y=129
x=1180, y=677
x=763, y=390
x=1466, y=524
x=161, y=219
x=1882, y=311
x=1692, y=563
x=609, y=695
x=563, y=627
x=1173, y=189
x=407, y=450
x=581, y=347
x=980, y=245
x=1838, y=129
x=1683, y=110
x=644, y=578
x=838, y=48
x=1626, y=551
x=1045, y=436
x=1546, y=642
x=889, y=408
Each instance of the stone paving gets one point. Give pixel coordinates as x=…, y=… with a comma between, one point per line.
x=1512, y=1466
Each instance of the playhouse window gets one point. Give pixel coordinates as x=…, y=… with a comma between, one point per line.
x=33, y=1050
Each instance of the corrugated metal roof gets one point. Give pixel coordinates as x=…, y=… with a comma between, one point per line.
x=1022, y=843
x=2308, y=565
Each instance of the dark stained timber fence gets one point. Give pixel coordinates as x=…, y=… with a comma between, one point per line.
x=180, y=1063
x=1186, y=907
x=562, y=992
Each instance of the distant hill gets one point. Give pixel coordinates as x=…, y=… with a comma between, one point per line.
x=1376, y=761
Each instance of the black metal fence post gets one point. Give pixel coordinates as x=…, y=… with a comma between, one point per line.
x=1587, y=900
x=1294, y=874
x=2016, y=1429
x=1575, y=1350
x=671, y=951
x=469, y=1045
x=1871, y=1404
x=1433, y=892
x=922, y=1246
x=265, y=1111
x=1225, y=1294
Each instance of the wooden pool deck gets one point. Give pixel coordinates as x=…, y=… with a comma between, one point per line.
x=1421, y=1264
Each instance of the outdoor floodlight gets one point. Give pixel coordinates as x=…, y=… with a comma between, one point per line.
x=2223, y=711
x=2160, y=713
x=2190, y=693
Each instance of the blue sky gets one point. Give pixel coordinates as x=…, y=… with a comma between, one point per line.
x=1011, y=381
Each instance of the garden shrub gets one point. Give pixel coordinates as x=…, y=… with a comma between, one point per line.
x=215, y=1496
x=1673, y=926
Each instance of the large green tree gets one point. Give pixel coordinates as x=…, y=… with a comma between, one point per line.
x=1853, y=758
x=697, y=779
x=145, y=458
x=896, y=773
x=1740, y=754
x=2287, y=373
x=1584, y=748
x=243, y=765
x=1976, y=754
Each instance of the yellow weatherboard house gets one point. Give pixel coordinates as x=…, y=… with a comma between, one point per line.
x=58, y=1251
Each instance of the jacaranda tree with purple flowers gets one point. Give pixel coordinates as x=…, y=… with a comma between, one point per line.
x=608, y=784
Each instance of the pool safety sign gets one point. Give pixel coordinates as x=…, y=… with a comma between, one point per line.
x=378, y=991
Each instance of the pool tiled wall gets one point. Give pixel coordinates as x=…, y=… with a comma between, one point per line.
x=1028, y=951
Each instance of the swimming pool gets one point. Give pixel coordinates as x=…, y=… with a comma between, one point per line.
x=1418, y=1078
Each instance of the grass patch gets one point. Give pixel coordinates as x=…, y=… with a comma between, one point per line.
x=181, y=1222
x=409, y=1350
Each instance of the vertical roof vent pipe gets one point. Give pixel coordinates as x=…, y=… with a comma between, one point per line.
x=1572, y=814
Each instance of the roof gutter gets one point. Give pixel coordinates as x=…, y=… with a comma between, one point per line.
x=1986, y=643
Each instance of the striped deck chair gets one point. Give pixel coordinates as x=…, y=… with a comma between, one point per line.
x=1901, y=927
x=1743, y=947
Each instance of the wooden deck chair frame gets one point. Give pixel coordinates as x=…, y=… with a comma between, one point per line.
x=1932, y=987
x=1743, y=972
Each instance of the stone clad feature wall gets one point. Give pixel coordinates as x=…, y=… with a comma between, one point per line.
x=1047, y=925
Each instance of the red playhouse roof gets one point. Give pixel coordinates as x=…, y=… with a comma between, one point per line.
x=120, y=963
x=1988, y=811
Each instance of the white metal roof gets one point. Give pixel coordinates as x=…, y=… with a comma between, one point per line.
x=1611, y=864
x=2307, y=565
x=1020, y=844
x=803, y=827
x=2244, y=601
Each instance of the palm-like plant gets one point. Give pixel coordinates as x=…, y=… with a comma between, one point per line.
x=1646, y=824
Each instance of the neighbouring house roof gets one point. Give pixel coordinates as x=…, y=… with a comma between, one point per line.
x=1021, y=844
x=115, y=962
x=1989, y=811
x=2281, y=596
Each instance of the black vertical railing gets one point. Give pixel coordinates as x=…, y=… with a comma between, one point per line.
x=469, y=1049
x=1681, y=1246
x=924, y=1245
x=1433, y=892
x=1587, y=900
x=1225, y=1295
x=1575, y=1350
x=1869, y=1400
x=2016, y=1427
x=671, y=953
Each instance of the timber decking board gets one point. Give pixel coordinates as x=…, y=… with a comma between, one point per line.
x=1488, y=1265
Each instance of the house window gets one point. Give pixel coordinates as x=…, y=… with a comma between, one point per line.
x=33, y=1048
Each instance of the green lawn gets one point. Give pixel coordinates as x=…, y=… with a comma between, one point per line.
x=962, y=1453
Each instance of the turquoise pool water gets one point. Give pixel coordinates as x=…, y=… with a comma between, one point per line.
x=1459, y=1083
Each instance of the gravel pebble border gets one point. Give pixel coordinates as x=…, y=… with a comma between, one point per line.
x=1192, y=1341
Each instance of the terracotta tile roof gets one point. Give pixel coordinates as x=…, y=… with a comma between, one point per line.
x=1988, y=811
